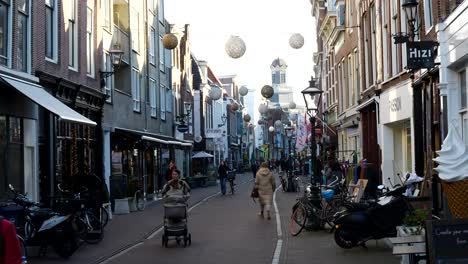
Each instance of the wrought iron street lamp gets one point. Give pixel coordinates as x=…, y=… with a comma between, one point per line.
x=182, y=119
x=411, y=9
x=310, y=96
x=116, y=60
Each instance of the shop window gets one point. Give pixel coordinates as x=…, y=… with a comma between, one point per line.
x=408, y=158
x=11, y=154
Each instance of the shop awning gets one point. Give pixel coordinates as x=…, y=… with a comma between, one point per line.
x=37, y=94
x=202, y=154
x=155, y=140
x=365, y=104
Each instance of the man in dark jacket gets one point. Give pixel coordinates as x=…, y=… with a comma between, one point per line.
x=223, y=173
x=10, y=249
x=254, y=168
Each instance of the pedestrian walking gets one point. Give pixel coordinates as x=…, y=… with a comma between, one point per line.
x=176, y=185
x=254, y=168
x=265, y=184
x=10, y=249
x=172, y=167
x=222, y=174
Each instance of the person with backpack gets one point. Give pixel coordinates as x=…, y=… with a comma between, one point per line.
x=10, y=248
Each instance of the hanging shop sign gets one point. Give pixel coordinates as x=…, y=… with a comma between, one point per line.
x=213, y=133
x=420, y=54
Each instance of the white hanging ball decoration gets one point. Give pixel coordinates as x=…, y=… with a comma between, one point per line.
x=262, y=108
x=296, y=41
x=243, y=91
x=294, y=117
x=278, y=123
x=235, y=47
x=215, y=92
x=271, y=129
x=292, y=105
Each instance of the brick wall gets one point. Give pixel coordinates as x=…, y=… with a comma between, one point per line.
x=60, y=69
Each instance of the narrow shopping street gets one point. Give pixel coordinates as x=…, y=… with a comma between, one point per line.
x=224, y=229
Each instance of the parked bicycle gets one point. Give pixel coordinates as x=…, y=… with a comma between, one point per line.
x=316, y=208
x=86, y=223
x=231, y=178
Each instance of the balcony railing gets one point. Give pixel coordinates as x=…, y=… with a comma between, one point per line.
x=121, y=41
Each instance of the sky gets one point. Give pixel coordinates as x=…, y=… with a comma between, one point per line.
x=264, y=25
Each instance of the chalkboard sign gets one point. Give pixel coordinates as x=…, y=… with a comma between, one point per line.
x=447, y=241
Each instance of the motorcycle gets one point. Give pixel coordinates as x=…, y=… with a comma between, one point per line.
x=44, y=227
x=358, y=224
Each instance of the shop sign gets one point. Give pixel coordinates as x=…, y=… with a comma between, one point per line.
x=213, y=133
x=420, y=54
x=395, y=104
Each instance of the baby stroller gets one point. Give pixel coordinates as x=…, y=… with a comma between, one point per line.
x=175, y=220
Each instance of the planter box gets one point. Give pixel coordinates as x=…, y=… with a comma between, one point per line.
x=121, y=206
x=132, y=204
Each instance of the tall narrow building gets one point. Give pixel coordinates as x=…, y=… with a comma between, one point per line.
x=283, y=94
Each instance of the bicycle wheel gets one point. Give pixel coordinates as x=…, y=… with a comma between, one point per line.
x=94, y=232
x=231, y=183
x=104, y=216
x=298, y=220
x=140, y=201
x=332, y=207
x=24, y=252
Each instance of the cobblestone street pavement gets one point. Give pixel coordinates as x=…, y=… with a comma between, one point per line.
x=225, y=229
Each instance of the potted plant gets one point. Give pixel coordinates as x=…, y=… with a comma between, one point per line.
x=117, y=192
x=131, y=189
x=416, y=219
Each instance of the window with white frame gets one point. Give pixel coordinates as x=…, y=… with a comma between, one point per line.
x=393, y=26
x=109, y=81
x=51, y=29
x=384, y=40
x=463, y=104
x=168, y=100
x=161, y=11
x=404, y=28
x=135, y=29
x=73, y=36
x=366, y=50
x=90, y=42
x=428, y=14
x=106, y=6
x=136, y=90
x=152, y=50
x=151, y=5
x=350, y=82
x=162, y=98
x=152, y=95
x=23, y=35
x=4, y=32
x=373, y=45
x=356, y=76
x=161, y=54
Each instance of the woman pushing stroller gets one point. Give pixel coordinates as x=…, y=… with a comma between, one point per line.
x=176, y=193
x=176, y=186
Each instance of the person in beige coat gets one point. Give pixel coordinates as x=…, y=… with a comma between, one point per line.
x=265, y=183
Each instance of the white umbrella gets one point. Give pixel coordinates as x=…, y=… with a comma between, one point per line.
x=202, y=154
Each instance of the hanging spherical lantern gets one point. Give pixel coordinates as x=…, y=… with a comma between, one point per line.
x=296, y=41
x=235, y=47
x=294, y=117
x=262, y=108
x=271, y=129
x=234, y=107
x=246, y=118
x=267, y=91
x=278, y=123
x=170, y=41
x=215, y=92
x=243, y=91
x=292, y=105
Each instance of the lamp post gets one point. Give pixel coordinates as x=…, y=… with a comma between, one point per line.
x=309, y=95
x=182, y=127
x=411, y=10
x=116, y=61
